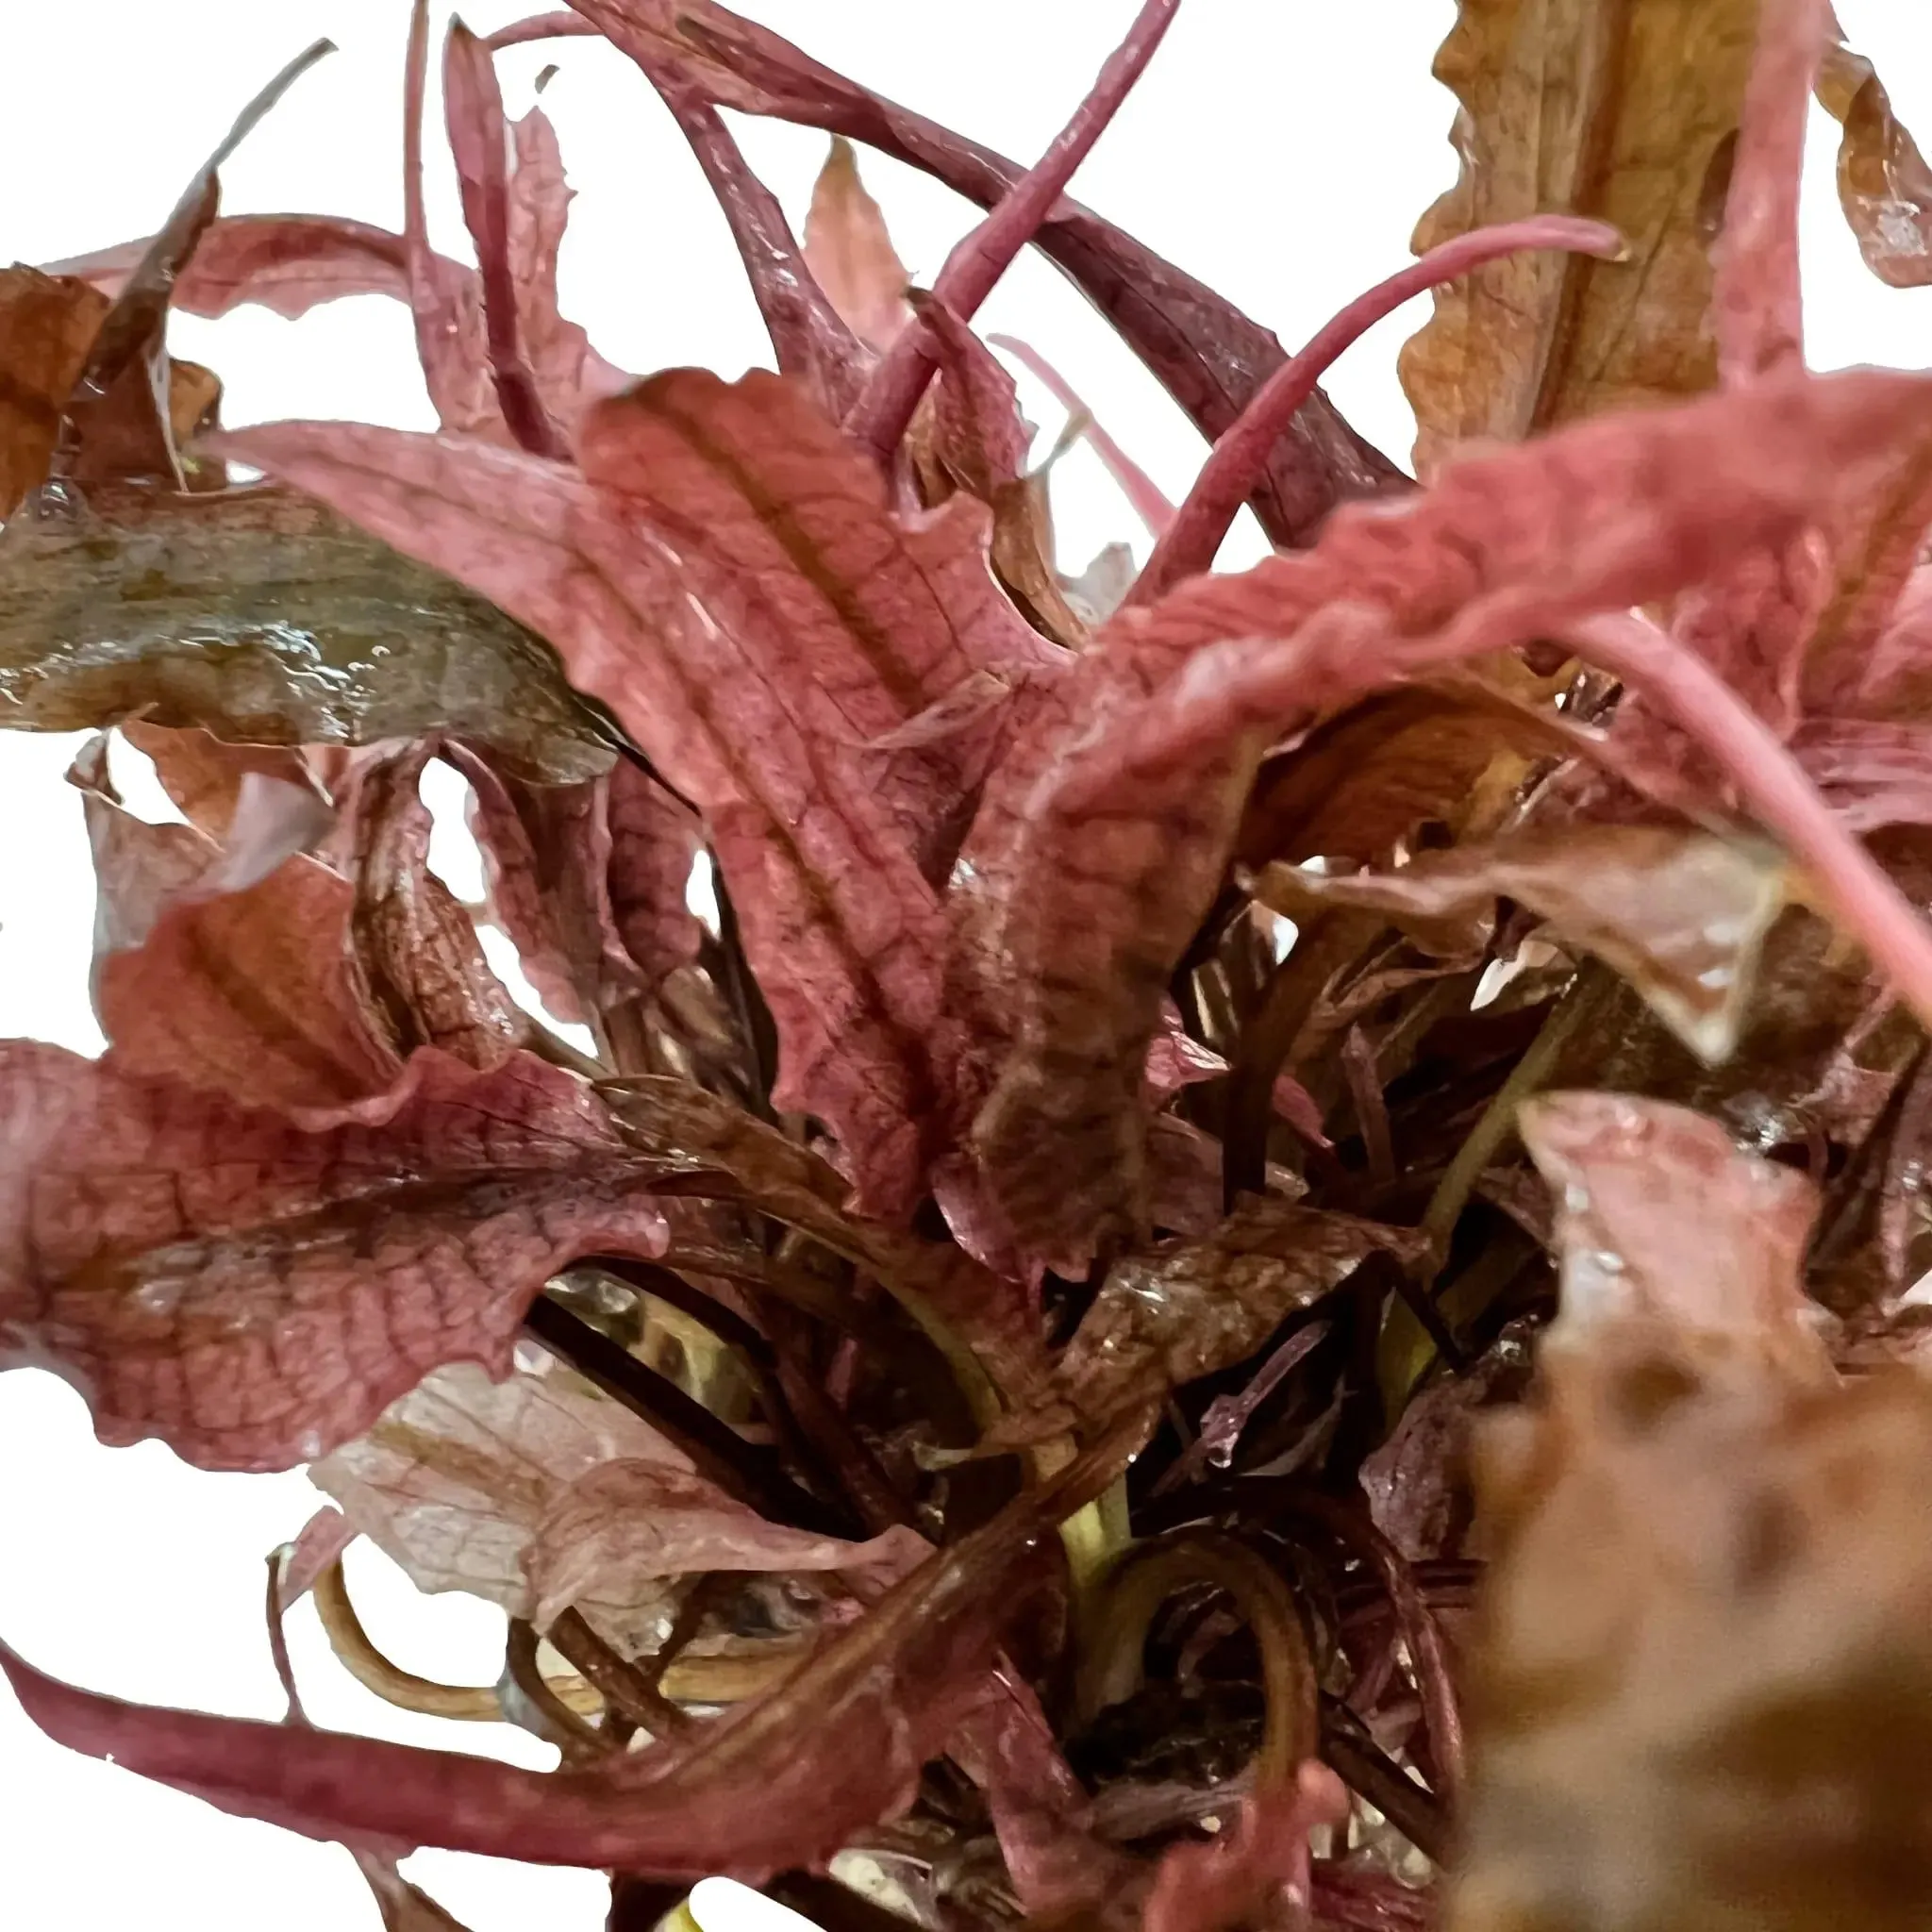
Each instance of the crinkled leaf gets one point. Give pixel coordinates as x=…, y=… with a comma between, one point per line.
x=261, y=616
x=46, y=326
x=204, y=776
x=618, y=1532
x=1210, y=357
x=253, y=1294
x=1102, y=840
x=416, y=946
x=589, y=880
x=848, y=249
x=1884, y=185
x=835, y=1748
x=1185, y=1311
x=455, y=1476
x=1629, y=115
x=1680, y=914
x=768, y=620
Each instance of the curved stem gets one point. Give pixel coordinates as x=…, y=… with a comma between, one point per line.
x=1187, y=546
x=883, y=410
x=686, y=1680
x=1124, y=1609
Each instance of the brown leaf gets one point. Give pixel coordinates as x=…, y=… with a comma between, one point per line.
x=204, y=776
x=253, y=1294
x=848, y=249
x=1629, y=115
x=455, y=1476
x=259, y=616
x=1884, y=185
x=1365, y=780
x=1706, y=1598
x=46, y=326
x=1680, y=914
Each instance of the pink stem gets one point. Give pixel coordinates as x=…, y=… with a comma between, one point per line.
x=1148, y=500
x=1855, y=887
x=882, y=413
x=539, y=26
x=1188, y=545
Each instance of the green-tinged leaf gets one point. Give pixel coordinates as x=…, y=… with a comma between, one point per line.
x=261, y=616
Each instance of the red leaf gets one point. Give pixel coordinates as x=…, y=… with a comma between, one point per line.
x=254, y=1295
x=479, y=139
x=289, y=263
x=416, y=945
x=767, y=620
x=1102, y=840
x=1661, y=1221
x=1210, y=356
x=836, y=1747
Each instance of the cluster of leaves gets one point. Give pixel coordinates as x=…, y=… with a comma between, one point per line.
x=1023, y=1377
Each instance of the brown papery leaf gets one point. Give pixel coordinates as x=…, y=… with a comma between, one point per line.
x=620, y=1532
x=1884, y=185
x=48, y=324
x=836, y=1747
x=253, y=1294
x=1629, y=115
x=848, y=248
x=1706, y=1601
x=1210, y=356
x=1680, y=914
x=1364, y=781
x=259, y=616
x=455, y=1476
x=767, y=622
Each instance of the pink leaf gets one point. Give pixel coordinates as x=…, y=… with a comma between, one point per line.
x=835, y=1748
x=766, y=618
x=622, y=1531
x=254, y=1295
x=455, y=1476
x=1100, y=845
x=849, y=251
x=289, y=263
x=479, y=139
x=1661, y=1219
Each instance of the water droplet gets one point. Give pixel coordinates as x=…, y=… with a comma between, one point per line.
x=157, y=1297
x=1575, y=1198
x=308, y=1446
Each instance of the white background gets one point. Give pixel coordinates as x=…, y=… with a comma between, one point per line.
x=1280, y=149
